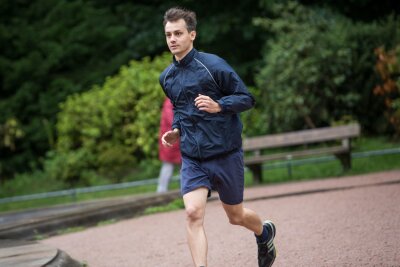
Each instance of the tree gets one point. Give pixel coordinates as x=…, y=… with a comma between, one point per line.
x=359, y=10
x=388, y=67
x=318, y=68
x=50, y=49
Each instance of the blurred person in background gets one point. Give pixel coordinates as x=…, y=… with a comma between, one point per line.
x=169, y=156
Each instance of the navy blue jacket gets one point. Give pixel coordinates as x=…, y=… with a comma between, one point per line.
x=206, y=135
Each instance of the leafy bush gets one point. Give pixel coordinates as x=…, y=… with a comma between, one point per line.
x=318, y=68
x=29, y=183
x=110, y=128
x=255, y=121
x=73, y=168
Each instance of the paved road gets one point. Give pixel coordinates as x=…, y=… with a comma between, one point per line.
x=348, y=221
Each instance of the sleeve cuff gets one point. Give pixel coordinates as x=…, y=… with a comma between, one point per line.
x=222, y=105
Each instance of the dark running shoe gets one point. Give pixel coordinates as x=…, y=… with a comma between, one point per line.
x=266, y=250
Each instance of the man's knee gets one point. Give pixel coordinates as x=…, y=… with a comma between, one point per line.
x=194, y=214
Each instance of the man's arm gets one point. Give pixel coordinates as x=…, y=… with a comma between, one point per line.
x=237, y=97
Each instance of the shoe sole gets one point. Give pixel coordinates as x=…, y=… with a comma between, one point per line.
x=275, y=253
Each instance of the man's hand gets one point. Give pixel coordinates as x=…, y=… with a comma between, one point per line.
x=205, y=103
x=170, y=137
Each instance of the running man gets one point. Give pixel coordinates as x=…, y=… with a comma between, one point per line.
x=208, y=96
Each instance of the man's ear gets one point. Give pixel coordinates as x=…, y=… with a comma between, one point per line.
x=193, y=35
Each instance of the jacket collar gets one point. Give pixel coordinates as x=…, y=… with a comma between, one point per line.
x=186, y=60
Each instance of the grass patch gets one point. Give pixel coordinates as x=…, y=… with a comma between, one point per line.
x=176, y=204
x=39, y=237
x=332, y=169
x=107, y=222
x=71, y=230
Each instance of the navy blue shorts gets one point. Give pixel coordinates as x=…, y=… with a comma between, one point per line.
x=224, y=174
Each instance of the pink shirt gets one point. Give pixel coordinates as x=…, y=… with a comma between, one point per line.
x=168, y=154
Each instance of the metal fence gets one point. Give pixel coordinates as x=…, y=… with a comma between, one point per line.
x=75, y=191
x=289, y=163
x=281, y=164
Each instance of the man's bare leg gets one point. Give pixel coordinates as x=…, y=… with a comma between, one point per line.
x=238, y=215
x=195, y=205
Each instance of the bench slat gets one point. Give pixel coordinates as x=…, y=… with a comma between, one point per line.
x=326, y=150
x=301, y=137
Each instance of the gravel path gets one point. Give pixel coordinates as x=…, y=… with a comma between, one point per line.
x=348, y=221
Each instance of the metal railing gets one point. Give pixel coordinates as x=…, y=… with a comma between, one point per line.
x=281, y=164
x=289, y=162
x=75, y=191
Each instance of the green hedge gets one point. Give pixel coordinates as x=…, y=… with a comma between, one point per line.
x=318, y=69
x=110, y=128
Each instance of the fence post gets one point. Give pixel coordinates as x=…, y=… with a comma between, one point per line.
x=289, y=165
x=74, y=195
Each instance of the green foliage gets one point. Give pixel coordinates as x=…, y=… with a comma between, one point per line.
x=363, y=10
x=73, y=168
x=145, y=169
x=9, y=133
x=388, y=67
x=25, y=184
x=364, y=39
x=306, y=65
x=115, y=162
x=317, y=68
x=51, y=49
x=110, y=128
x=255, y=121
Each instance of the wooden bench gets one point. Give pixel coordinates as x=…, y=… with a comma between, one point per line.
x=337, y=141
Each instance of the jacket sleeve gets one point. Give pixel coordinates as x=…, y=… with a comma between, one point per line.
x=236, y=97
x=175, y=122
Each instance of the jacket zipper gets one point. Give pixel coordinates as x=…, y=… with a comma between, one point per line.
x=194, y=125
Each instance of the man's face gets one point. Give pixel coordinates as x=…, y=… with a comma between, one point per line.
x=179, y=40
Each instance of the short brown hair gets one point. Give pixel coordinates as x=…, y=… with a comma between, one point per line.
x=177, y=13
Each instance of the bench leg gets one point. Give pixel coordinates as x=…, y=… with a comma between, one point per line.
x=256, y=170
x=345, y=159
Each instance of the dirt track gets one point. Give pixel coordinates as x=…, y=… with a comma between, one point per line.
x=352, y=221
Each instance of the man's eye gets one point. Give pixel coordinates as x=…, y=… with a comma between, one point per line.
x=178, y=34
